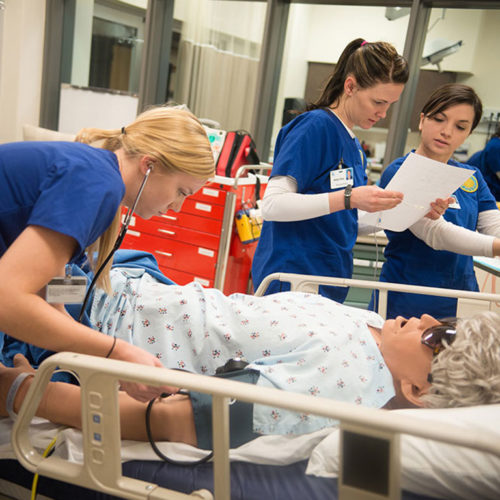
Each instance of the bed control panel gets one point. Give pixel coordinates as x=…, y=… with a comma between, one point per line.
x=369, y=464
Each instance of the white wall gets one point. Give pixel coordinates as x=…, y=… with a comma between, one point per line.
x=334, y=26
x=21, y=71
x=80, y=108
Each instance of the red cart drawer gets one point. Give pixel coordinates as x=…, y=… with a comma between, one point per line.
x=179, y=220
x=195, y=207
x=182, y=278
x=212, y=226
x=210, y=193
x=174, y=254
x=161, y=228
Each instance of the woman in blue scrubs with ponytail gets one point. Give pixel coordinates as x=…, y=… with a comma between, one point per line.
x=61, y=202
x=318, y=180
x=439, y=252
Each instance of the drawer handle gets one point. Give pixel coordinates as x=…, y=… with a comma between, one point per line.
x=171, y=217
x=203, y=206
x=166, y=254
x=166, y=231
x=133, y=233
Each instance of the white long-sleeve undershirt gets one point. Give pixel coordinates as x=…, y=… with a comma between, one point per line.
x=282, y=203
x=443, y=235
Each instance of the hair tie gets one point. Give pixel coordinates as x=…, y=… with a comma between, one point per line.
x=363, y=43
x=123, y=130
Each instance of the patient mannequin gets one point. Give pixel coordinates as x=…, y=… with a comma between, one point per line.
x=391, y=362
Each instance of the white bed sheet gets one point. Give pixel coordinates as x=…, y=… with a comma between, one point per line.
x=267, y=450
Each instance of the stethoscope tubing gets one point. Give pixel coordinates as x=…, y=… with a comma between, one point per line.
x=116, y=246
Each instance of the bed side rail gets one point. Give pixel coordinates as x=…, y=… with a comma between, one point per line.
x=99, y=379
x=468, y=302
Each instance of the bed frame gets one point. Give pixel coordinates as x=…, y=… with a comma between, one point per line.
x=99, y=379
x=468, y=302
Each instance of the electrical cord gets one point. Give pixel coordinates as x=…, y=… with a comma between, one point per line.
x=157, y=450
x=48, y=451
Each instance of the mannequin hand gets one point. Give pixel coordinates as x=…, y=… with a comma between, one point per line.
x=439, y=207
x=374, y=199
x=128, y=352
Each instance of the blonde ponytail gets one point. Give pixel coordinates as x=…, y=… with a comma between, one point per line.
x=171, y=135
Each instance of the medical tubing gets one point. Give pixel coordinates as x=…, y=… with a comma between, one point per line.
x=97, y=274
x=157, y=450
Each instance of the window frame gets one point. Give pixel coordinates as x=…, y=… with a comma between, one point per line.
x=155, y=67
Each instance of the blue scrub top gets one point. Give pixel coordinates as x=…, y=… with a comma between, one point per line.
x=488, y=161
x=69, y=187
x=411, y=261
x=308, y=149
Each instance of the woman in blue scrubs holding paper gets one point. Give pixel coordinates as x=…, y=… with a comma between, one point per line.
x=439, y=252
x=60, y=201
x=318, y=180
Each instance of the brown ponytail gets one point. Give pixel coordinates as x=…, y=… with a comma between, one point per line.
x=370, y=63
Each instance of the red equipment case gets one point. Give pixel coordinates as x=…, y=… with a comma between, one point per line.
x=200, y=242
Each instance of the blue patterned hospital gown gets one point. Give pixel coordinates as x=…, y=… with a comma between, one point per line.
x=299, y=342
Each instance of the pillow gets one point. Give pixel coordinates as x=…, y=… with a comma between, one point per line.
x=32, y=133
x=434, y=468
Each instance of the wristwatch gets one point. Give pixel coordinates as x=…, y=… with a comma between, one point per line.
x=347, y=196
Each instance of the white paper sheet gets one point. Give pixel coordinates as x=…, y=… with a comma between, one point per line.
x=422, y=181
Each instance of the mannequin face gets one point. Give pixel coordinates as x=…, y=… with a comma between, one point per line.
x=444, y=132
x=365, y=107
x=406, y=357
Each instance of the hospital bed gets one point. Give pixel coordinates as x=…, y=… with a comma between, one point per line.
x=405, y=433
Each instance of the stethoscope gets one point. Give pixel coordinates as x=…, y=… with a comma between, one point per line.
x=116, y=246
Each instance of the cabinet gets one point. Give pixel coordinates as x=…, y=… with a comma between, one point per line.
x=200, y=242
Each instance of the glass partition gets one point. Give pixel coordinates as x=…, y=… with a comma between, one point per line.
x=462, y=44
x=218, y=57
x=316, y=36
x=102, y=54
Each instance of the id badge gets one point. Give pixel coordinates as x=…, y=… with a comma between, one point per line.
x=455, y=203
x=66, y=290
x=341, y=178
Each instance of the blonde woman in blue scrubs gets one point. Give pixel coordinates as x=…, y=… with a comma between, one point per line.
x=62, y=201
